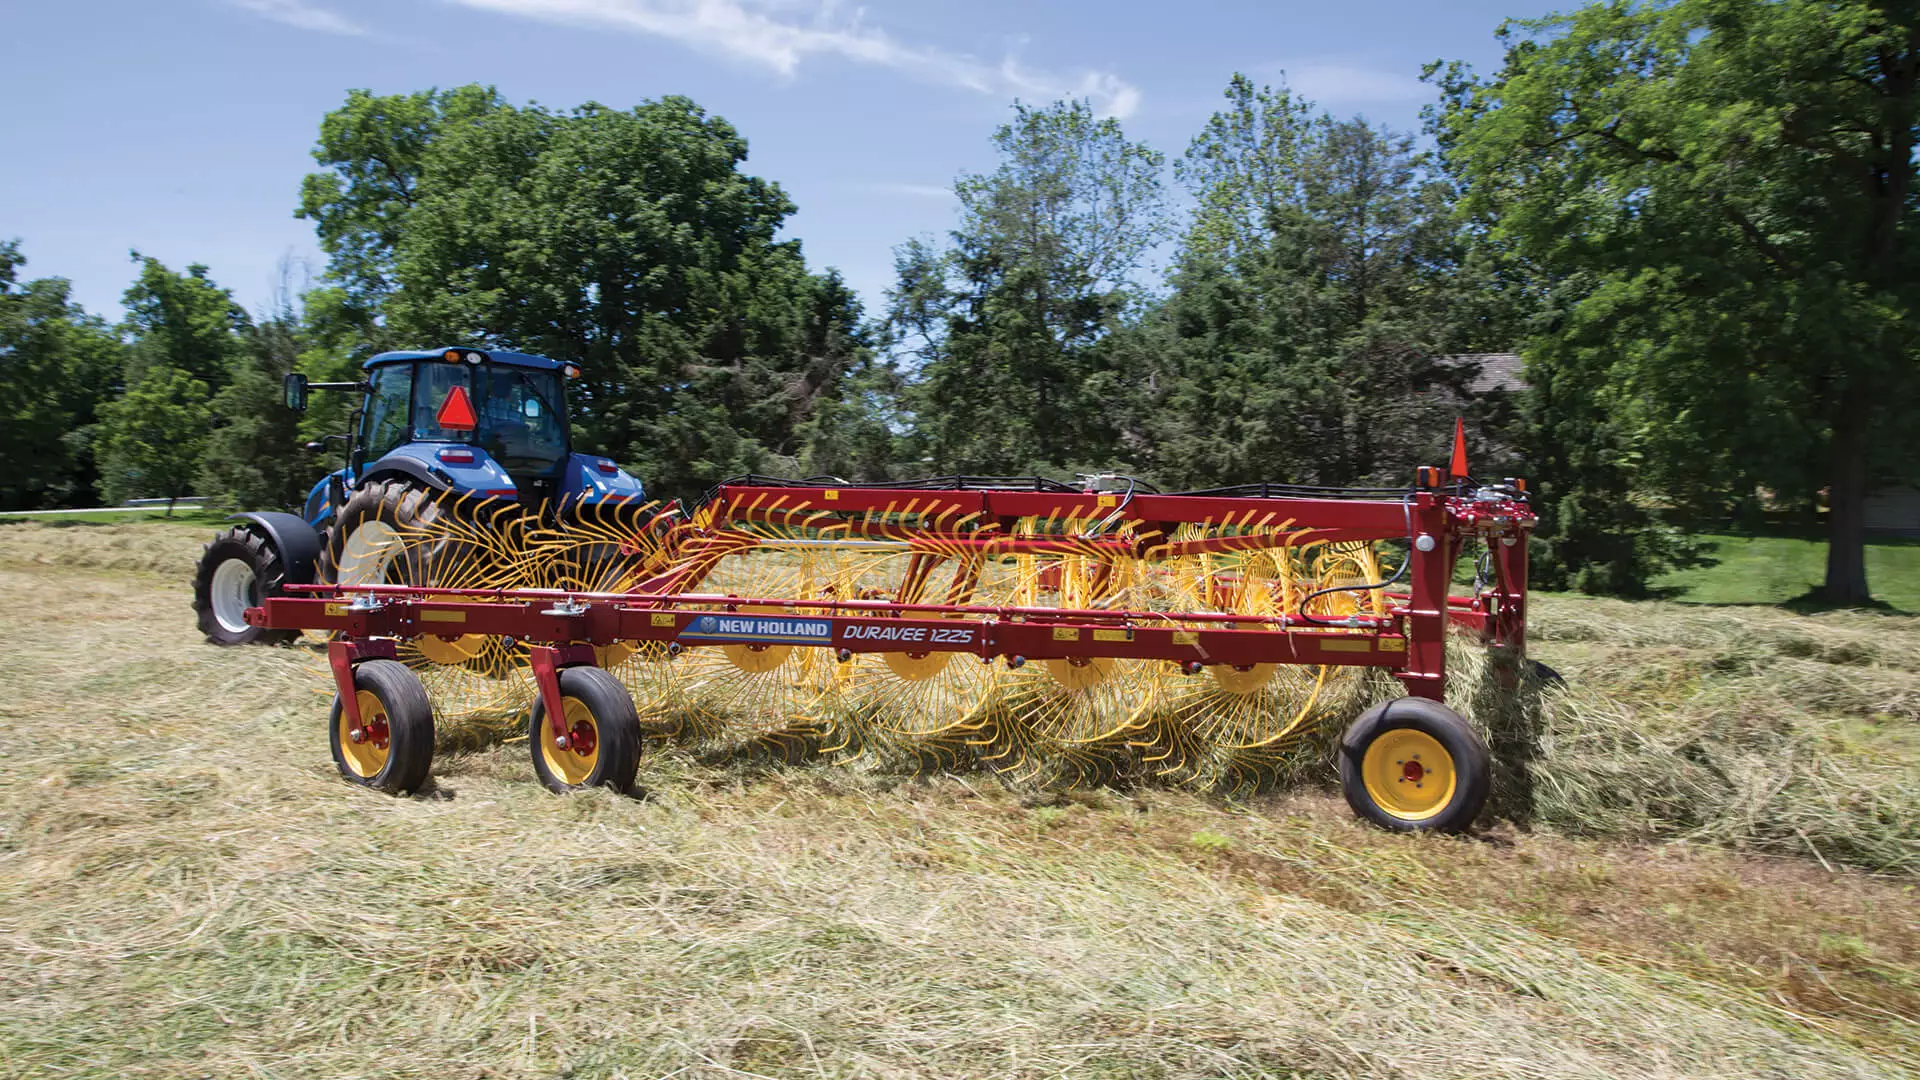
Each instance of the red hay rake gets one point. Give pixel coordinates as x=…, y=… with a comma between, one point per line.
x=1107, y=624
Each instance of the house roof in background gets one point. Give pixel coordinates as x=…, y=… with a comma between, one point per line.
x=1497, y=372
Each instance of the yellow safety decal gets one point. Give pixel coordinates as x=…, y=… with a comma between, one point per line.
x=1393, y=644
x=1347, y=645
x=1066, y=633
x=831, y=495
x=663, y=618
x=337, y=610
x=1113, y=635
x=1107, y=500
x=1185, y=637
x=443, y=616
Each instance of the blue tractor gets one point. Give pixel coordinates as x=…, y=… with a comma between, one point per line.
x=486, y=424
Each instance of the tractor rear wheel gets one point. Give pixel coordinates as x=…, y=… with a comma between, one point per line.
x=365, y=546
x=392, y=749
x=237, y=571
x=602, y=740
x=1414, y=765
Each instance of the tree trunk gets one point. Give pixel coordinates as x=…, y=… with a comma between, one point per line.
x=1847, y=507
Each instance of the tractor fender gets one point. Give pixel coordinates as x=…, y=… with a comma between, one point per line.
x=422, y=464
x=297, y=542
x=590, y=478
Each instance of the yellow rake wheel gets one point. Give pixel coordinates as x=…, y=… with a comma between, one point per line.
x=391, y=749
x=611, y=546
x=600, y=746
x=1235, y=727
x=926, y=703
x=749, y=698
x=479, y=684
x=1414, y=764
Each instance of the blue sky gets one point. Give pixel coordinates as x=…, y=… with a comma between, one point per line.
x=182, y=127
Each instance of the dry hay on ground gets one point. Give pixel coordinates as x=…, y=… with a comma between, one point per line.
x=188, y=891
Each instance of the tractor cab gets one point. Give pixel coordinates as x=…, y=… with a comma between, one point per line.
x=474, y=424
x=488, y=423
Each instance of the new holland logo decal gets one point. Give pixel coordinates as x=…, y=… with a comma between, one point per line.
x=776, y=629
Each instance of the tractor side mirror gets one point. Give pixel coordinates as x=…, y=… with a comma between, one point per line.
x=295, y=389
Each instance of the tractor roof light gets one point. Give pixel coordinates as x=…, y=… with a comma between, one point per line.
x=474, y=357
x=571, y=371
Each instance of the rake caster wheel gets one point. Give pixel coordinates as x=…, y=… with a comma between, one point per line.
x=1412, y=765
x=603, y=735
x=237, y=571
x=394, y=750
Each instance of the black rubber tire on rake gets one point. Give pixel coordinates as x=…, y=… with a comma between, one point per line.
x=409, y=718
x=616, y=726
x=1468, y=759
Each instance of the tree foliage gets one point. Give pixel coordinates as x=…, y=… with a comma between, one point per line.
x=1305, y=335
x=154, y=436
x=1721, y=197
x=182, y=321
x=629, y=241
x=57, y=365
x=1008, y=328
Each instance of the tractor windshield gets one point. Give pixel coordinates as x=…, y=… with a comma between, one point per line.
x=512, y=413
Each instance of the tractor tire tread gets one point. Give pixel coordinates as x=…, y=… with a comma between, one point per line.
x=241, y=543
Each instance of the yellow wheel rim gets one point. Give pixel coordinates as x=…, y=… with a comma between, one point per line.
x=1232, y=680
x=368, y=757
x=1408, y=774
x=1083, y=674
x=572, y=766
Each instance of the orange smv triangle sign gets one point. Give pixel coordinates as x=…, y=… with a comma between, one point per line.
x=456, y=413
x=1459, y=469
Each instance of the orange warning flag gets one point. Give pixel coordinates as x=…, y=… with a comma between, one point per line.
x=1459, y=469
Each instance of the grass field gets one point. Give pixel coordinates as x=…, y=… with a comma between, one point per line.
x=1714, y=876
x=1776, y=569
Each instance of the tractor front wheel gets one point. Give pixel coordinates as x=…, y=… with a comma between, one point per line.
x=237, y=571
x=1413, y=765
x=391, y=749
x=601, y=746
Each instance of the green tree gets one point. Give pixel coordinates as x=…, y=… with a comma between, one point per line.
x=1304, y=336
x=57, y=365
x=253, y=455
x=154, y=436
x=376, y=150
x=1721, y=197
x=183, y=321
x=1008, y=328
x=628, y=241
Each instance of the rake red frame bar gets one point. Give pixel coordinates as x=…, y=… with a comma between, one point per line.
x=1410, y=641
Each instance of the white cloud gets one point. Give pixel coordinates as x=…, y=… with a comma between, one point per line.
x=780, y=34
x=917, y=191
x=304, y=16
x=1352, y=83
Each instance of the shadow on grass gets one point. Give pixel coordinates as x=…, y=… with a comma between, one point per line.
x=1812, y=602
x=1807, y=603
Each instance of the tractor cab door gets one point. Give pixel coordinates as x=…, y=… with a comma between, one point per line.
x=385, y=422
